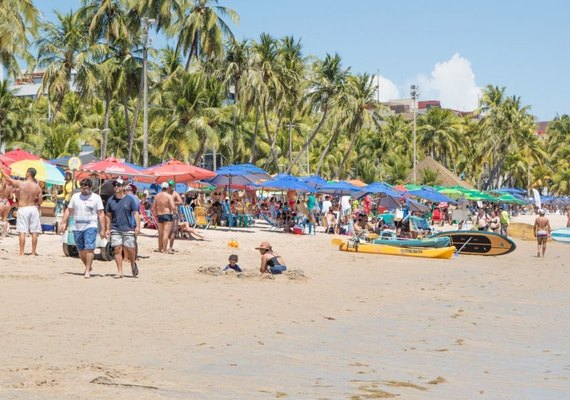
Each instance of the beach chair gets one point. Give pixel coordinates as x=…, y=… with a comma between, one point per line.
x=274, y=225
x=187, y=215
x=201, y=217
x=227, y=215
x=419, y=225
x=147, y=217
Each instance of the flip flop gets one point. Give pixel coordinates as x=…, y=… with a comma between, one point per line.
x=118, y=277
x=135, y=269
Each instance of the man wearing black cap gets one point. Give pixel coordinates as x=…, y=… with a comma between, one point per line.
x=119, y=210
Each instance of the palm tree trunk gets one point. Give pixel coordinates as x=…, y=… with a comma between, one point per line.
x=326, y=151
x=254, y=138
x=106, y=126
x=136, y=118
x=347, y=154
x=311, y=138
x=128, y=125
x=271, y=139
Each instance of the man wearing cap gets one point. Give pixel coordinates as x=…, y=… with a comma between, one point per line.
x=177, y=202
x=119, y=209
x=541, y=232
x=87, y=209
x=29, y=201
x=164, y=208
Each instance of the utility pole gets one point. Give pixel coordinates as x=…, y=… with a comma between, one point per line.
x=415, y=92
x=378, y=85
x=146, y=22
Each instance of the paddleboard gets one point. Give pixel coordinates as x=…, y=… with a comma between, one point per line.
x=479, y=243
x=444, y=252
x=561, y=235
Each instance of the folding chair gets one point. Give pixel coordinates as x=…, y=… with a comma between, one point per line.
x=187, y=215
x=148, y=218
x=227, y=215
x=274, y=225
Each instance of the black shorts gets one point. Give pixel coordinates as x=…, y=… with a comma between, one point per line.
x=165, y=218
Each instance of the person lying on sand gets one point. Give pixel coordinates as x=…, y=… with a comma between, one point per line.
x=192, y=233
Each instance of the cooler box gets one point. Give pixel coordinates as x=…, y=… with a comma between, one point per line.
x=297, y=230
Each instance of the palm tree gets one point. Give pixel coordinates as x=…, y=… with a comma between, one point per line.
x=438, y=134
x=18, y=21
x=201, y=29
x=64, y=50
x=10, y=123
x=328, y=81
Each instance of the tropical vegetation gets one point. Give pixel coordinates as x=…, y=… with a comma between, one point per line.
x=261, y=100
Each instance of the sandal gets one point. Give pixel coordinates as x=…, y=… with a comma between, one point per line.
x=135, y=269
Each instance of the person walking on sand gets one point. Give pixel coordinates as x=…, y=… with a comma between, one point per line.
x=87, y=209
x=118, y=226
x=505, y=221
x=29, y=201
x=164, y=208
x=270, y=262
x=178, y=201
x=568, y=215
x=541, y=232
x=5, y=206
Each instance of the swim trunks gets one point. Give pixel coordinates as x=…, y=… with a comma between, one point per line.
x=28, y=220
x=165, y=218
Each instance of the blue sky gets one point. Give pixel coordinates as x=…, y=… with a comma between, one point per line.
x=450, y=48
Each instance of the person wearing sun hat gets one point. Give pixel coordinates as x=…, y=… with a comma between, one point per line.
x=271, y=262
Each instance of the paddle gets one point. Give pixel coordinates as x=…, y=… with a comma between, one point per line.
x=464, y=244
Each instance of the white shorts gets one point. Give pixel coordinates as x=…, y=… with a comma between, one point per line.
x=28, y=220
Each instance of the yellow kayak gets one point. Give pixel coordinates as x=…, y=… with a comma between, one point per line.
x=443, y=252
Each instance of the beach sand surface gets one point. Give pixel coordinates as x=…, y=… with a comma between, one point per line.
x=356, y=326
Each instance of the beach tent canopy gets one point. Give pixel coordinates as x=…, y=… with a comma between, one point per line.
x=19, y=155
x=177, y=171
x=445, y=176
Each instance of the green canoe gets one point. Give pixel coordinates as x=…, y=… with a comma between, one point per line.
x=435, y=242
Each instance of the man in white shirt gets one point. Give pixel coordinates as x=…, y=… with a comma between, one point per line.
x=327, y=205
x=87, y=209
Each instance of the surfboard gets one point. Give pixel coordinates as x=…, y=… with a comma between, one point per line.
x=561, y=235
x=479, y=243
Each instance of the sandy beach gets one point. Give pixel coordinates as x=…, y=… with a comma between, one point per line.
x=357, y=326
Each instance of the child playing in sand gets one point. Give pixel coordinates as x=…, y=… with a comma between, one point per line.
x=233, y=259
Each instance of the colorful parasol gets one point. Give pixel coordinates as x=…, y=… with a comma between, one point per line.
x=45, y=172
x=177, y=171
x=19, y=155
x=106, y=169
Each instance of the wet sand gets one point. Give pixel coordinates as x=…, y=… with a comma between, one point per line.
x=357, y=326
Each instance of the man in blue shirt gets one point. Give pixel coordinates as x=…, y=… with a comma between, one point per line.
x=119, y=210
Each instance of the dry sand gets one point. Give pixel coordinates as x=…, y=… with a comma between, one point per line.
x=357, y=326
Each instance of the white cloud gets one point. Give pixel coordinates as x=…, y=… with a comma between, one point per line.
x=453, y=83
x=388, y=89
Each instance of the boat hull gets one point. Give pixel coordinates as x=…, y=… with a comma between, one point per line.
x=444, y=252
x=561, y=235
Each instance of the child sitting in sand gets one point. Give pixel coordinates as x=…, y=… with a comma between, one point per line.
x=232, y=260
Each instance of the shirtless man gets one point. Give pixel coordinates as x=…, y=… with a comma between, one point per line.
x=568, y=215
x=29, y=201
x=164, y=208
x=177, y=202
x=5, y=207
x=541, y=232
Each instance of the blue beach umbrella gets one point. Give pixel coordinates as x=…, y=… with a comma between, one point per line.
x=314, y=181
x=377, y=188
x=340, y=188
x=286, y=182
x=431, y=195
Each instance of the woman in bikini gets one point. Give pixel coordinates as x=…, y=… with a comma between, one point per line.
x=270, y=262
x=5, y=206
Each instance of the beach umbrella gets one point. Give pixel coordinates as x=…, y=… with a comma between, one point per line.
x=254, y=173
x=356, y=182
x=314, y=181
x=340, y=188
x=234, y=176
x=416, y=206
x=46, y=172
x=19, y=155
x=452, y=193
x=107, y=169
x=377, y=188
x=431, y=195
x=177, y=171
x=286, y=182
x=510, y=199
x=4, y=159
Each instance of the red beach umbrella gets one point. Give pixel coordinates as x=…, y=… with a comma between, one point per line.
x=177, y=171
x=106, y=169
x=19, y=155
